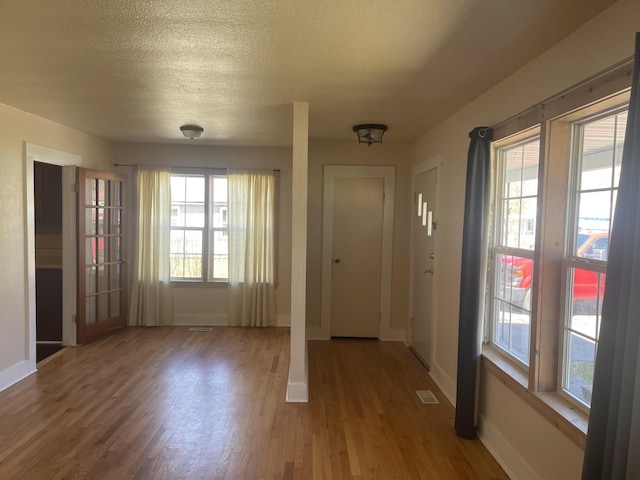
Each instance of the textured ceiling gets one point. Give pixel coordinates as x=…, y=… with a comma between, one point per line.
x=130, y=70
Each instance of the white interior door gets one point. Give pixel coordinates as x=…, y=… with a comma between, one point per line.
x=356, y=256
x=423, y=241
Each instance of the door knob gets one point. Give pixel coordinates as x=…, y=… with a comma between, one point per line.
x=432, y=256
x=336, y=260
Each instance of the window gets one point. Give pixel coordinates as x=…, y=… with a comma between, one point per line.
x=199, y=245
x=598, y=143
x=515, y=216
x=555, y=188
x=218, y=238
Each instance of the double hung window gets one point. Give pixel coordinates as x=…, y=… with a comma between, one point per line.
x=199, y=236
x=595, y=173
x=515, y=219
x=555, y=188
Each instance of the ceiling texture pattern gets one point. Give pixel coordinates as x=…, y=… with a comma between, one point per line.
x=133, y=70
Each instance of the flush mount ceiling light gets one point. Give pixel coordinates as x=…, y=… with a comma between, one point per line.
x=370, y=132
x=191, y=131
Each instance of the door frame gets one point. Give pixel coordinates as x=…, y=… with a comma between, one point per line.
x=68, y=162
x=431, y=163
x=387, y=173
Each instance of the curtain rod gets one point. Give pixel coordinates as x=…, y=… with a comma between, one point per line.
x=609, y=69
x=179, y=166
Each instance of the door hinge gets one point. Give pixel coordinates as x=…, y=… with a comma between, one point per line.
x=76, y=187
x=74, y=318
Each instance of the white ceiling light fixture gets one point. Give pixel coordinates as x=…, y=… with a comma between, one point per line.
x=370, y=132
x=191, y=131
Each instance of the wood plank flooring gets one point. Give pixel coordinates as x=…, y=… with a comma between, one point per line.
x=166, y=403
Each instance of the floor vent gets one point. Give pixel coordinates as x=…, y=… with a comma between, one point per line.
x=426, y=396
x=200, y=329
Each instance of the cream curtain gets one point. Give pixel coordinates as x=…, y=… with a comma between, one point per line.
x=251, y=196
x=150, y=289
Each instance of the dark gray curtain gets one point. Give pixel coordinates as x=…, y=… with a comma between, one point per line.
x=613, y=440
x=472, y=273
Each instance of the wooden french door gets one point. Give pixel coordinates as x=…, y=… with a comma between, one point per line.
x=102, y=294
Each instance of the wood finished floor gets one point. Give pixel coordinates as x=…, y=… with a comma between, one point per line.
x=166, y=403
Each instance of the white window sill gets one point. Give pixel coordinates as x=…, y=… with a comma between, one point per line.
x=567, y=418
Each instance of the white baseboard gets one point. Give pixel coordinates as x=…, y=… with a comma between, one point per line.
x=14, y=374
x=398, y=335
x=217, y=320
x=508, y=458
x=446, y=384
x=297, y=393
x=316, y=333
x=283, y=320
x=200, y=319
x=393, y=335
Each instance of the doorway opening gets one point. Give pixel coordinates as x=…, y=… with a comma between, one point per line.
x=67, y=163
x=47, y=196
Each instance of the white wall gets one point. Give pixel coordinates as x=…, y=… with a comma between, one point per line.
x=207, y=304
x=16, y=128
x=602, y=42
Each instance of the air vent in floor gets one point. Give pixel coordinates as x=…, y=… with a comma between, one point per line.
x=426, y=396
x=200, y=329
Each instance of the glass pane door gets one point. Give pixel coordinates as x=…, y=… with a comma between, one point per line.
x=101, y=269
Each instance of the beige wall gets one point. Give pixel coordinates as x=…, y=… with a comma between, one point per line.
x=16, y=128
x=352, y=153
x=207, y=304
x=604, y=41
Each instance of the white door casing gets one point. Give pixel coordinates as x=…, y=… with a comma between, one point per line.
x=387, y=174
